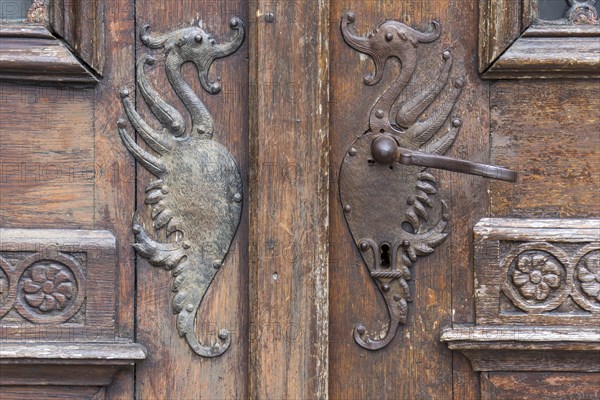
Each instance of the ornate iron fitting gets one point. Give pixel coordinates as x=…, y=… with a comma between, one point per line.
x=390, y=198
x=197, y=196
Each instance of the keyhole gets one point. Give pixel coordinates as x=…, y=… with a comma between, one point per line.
x=385, y=255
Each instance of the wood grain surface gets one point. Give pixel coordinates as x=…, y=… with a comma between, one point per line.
x=415, y=365
x=172, y=370
x=289, y=200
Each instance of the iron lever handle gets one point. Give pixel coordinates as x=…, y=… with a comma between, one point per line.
x=386, y=151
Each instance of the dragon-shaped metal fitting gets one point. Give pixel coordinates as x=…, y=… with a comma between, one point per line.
x=198, y=196
x=386, y=168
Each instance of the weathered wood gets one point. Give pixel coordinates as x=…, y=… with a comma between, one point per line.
x=527, y=347
x=46, y=154
x=549, y=132
x=114, y=195
x=499, y=27
x=533, y=386
x=415, y=364
x=502, y=242
x=79, y=267
x=508, y=50
x=548, y=57
x=52, y=393
x=289, y=200
x=34, y=54
x=81, y=25
x=82, y=364
x=172, y=369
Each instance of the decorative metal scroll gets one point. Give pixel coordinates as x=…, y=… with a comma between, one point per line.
x=390, y=199
x=197, y=196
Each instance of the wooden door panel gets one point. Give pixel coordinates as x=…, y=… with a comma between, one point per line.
x=47, y=152
x=549, y=131
x=64, y=168
x=293, y=285
x=173, y=370
x=415, y=365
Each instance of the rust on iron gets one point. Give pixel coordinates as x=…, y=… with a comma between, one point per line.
x=397, y=213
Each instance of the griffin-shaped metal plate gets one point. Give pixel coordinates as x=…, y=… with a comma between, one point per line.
x=394, y=211
x=198, y=195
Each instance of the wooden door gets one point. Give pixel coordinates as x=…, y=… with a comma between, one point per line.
x=506, y=306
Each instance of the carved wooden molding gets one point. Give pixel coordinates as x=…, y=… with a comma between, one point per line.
x=526, y=348
x=63, y=280
x=81, y=26
x=69, y=49
x=537, y=296
x=514, y=44
x=57, y=310
x=87, y=364
x=541, y=272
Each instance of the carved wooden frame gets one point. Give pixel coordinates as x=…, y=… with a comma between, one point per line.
x=70, y=48
x=513, y=45
x=552, y=333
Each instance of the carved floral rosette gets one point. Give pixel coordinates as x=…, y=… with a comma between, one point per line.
x=586, y=287
x=540, y=277
x=44, y=288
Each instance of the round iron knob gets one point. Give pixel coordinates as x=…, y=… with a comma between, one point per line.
x=384, y=150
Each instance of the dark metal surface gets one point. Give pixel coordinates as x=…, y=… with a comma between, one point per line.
x=386, y=151
x=197, y=197
x=390, y=199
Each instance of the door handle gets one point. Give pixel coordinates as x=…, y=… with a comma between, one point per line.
x=385, y=150
x=389, y=196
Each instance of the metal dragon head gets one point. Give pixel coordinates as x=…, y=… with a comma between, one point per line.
x=381, y=46
x=195, y=45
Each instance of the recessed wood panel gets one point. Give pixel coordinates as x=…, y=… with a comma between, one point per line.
x=540, y=385
x=46, y=157
x=548, y=131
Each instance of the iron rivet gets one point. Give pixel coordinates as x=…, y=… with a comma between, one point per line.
x=121, y=123
x=347, y=208
x=124, y=93
x=459, y=83
x=456, y=122
x=189, y=307
x=364, y=246
x=176, y=126
x=351, y=17
x=446, y=55
x=186, y=245
x=217, y=264
x=234, y=22
x=352, y=151
x=237, y=197
x=164, y=190
x=405, y=243
x=269, y=17
x=397, y=297
x=360, y=330
x=411, y=200
x=223, y=335
x=379, y=114
x=137, y=228
x=150, y=60
x=386, y=287
x=198, y=38
x=389, y=36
